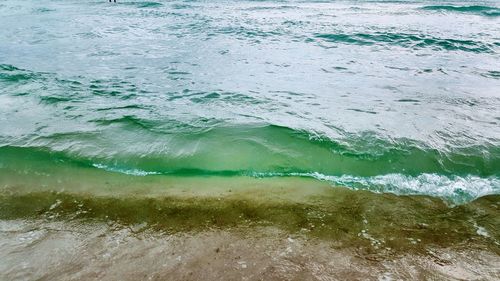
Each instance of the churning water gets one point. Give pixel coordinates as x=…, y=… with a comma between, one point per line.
x=390, y=96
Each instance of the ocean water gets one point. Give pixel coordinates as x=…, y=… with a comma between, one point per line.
x=388, y=96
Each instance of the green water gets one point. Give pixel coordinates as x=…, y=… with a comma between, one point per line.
x=380, y=223
x=386, y=96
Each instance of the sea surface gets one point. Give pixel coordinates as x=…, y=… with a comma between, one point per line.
x=388, y=96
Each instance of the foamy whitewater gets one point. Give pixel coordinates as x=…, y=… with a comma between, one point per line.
x=386, y=96
x=249, y=140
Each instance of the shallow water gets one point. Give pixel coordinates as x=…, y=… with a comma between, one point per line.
x=389, y=96
x=53, y=252
x=277, y=140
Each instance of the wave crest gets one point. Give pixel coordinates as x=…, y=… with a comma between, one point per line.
x=473, y=9
x=405, y=40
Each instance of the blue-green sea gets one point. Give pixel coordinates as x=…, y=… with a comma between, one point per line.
x=387, y=96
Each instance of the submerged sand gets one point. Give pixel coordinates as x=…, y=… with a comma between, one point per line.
x=97, y=251
x=91, y=225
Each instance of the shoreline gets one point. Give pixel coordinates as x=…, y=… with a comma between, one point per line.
x=98, y=251
x=81, y=223
x=298, y=206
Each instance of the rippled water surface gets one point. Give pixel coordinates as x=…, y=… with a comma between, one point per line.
x=399, y=96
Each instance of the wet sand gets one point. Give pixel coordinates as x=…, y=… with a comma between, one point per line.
x=39, y=250
x=86, y=224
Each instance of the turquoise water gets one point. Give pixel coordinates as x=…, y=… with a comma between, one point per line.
x=389, y=96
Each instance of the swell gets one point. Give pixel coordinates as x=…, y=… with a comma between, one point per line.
x=135, y=147
x=251, y=149
x=52, y=169
x=144, y=4
x=11, y=74
x=407, y=40
x=473, y=9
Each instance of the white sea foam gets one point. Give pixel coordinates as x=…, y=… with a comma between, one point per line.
x=457, y=189
x=133, y=172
